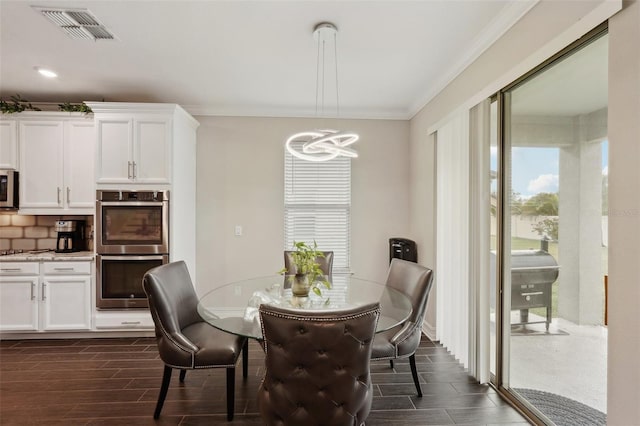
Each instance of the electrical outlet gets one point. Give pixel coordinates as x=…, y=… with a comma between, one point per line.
x=238, y=230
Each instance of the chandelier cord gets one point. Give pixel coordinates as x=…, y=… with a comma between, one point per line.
x=317, y=75
x=335, y=60
x=324, y=72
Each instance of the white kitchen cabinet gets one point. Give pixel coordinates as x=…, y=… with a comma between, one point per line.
x=66, y=296
x=133, y=148
x=19, y=302
x=79, y=159
x=8, y=145
x=41, y=172
x=56, y=165
x=47, y=296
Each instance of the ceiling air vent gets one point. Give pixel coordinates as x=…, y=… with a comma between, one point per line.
x=77, y=23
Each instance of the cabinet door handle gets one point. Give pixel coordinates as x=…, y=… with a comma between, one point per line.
x=63, y=269
x=11, y=269
x=58, y=195
x=135, y=170
x=68, y=195
x=44, y=286
x=129, y=174
x=33, y=291
x=130, y=322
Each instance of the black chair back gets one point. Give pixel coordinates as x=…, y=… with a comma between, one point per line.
x=317, y=366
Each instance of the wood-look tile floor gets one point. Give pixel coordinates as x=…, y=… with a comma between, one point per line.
x=116, y=382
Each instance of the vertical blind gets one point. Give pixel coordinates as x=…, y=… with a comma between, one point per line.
x=452, y=236
x=480, y=241
x=317, y=204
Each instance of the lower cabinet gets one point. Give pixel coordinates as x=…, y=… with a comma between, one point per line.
x=19, y=303
x=66, y=303
x=47, y=296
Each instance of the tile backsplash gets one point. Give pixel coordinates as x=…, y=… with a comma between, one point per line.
x=22, y=232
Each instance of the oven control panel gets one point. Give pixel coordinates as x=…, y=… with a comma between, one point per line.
x=132, y=196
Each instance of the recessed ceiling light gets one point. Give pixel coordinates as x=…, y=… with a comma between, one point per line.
x=47, y=73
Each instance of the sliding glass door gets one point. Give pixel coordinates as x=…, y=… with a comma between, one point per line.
x=552, y=245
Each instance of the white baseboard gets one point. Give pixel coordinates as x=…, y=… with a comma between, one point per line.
x=429, y=330
x=76, y=334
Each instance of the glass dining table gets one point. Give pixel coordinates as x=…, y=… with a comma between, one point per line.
x=234, y=307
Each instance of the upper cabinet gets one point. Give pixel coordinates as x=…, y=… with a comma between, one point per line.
x=56, y=164
x=134, y=143
x=8, y=145
x=41, y=167
x=79, y=159
x=133, y=148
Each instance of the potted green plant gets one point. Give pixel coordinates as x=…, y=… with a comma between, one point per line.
x=308, y=274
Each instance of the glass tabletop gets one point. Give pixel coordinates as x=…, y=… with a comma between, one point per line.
x=234, y=307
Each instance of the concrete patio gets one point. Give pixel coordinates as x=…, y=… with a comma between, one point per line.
x=570, y=360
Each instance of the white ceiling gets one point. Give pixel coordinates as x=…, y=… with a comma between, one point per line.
x=254, y=58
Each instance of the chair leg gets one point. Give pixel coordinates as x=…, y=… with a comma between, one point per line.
x=166, y=379
x=391, y=363
x=245, y=359
x=182, y=374
x=414, y=373
x=231, y=383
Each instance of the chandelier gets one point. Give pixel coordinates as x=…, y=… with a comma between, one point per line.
x=327, y=144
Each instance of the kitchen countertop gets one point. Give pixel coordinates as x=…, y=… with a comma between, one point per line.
x=48, y=256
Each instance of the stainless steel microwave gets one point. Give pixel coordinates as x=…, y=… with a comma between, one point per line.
x=9, y=190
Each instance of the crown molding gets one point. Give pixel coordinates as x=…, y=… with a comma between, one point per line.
x=501, y=23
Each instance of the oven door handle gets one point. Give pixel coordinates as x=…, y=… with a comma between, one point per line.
x=132, y=257
x=132, y=203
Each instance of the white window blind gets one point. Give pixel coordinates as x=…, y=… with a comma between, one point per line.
x=452, y=236
x=317, y=201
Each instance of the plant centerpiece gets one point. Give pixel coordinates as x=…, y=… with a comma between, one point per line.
x=308, y=274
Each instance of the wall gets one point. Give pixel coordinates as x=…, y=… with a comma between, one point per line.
x=623, y=385
x=240, y=181
x=524, y=46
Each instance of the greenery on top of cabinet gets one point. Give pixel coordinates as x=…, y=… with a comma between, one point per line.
x=81, y=107
x=16, y=104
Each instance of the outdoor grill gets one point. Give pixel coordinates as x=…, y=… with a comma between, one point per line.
x=532, y=274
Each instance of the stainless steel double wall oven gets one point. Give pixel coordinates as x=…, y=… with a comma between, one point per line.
x=132, y=236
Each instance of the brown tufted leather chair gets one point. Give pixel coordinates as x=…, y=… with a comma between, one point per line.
x=185, y=340
x=317, y=366
x=326, y=262
x=402, y=341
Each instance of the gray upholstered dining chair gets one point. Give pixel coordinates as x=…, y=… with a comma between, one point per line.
x=185, y=340
x=402, y=341
x=326, y=262
x=317, y=366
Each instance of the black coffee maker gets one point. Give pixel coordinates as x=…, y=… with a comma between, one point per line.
x=70, y=236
